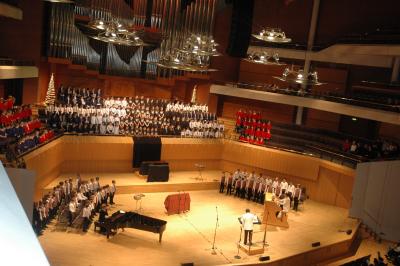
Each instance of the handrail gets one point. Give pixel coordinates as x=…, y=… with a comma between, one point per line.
x=302, y=93
x=358, y=158
x=38, y=146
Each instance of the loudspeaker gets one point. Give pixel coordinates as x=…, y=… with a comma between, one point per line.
x=264, y=258
x=349, y=232
x=158, y=173
x=242, y=19
x=187, y=264
x=315, y=244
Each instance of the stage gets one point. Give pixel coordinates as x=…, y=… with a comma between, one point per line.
x=135, y=183
x=188, y=237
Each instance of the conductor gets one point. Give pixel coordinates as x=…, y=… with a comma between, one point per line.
x=247, y=220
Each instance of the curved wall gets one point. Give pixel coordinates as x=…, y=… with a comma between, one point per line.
x=325, y=181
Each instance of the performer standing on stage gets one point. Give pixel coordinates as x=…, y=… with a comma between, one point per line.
x=248, y=219
x=222, y=184
x=296, y=197
x=229, y=182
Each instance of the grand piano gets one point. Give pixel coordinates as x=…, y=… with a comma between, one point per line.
x=121, y=219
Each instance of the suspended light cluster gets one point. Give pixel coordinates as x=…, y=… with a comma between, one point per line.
x=272, y=35
x=194, y=55
x=184, y=61
x=116, y=33
x=264, y=58
x=200, y=45
x=113, y=27
x=299, y=77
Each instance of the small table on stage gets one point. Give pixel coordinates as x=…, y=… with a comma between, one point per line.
x=177, y=203
x=271, y=209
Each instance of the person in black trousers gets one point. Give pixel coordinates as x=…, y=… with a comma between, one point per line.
x=112, y=190
x=102, y=217
x=222, y=184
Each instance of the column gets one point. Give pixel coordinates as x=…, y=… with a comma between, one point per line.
x=310, y=43
x=395, y=69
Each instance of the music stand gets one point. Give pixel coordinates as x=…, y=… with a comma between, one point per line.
x=199, y=167
x=138, y=199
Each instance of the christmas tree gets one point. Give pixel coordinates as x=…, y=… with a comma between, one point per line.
x=194, y=95
x=51, y=93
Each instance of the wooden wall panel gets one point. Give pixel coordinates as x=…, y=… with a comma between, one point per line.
x=22, y=39
x=328, y=182
x=228, y=67
x=119, y=87
x=257, y=73
x=352, y=14
x=272, y=111
x=181, y=148
x=334, y=75
x=274, y=160
x=98, y=148
x=325, y=181
x=344, y=191
x=30, y=90
x=389, y=131
x=45, y=161
x=96, y=166
x=70, y=77
x=322, y=119
x=203, y=93
x=153, y=91
x=179, y=91
x=190, y=164
x=274, y=13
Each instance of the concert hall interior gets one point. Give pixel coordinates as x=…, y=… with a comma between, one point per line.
x=199, y=132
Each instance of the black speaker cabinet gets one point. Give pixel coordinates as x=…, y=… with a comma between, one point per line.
x=264, y=258
x=158, y=173
x=316, y=244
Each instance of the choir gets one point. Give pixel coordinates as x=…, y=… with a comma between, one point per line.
x=254, y=187
x=75, y=203
x=252, y=128
x=18, y=126
x=85, y=111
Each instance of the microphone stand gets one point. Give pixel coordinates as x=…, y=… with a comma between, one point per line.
x=237, y=256
x=184, y=200
x=179, y=202
x=215, y=233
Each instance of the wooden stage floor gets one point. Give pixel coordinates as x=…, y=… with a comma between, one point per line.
x=135, y=183
x=188, y=237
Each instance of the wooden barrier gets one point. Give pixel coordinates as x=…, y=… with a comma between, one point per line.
x=324, y=181
x=317, y=256
x=183, y=154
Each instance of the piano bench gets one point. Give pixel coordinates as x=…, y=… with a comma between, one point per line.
x=98, y=224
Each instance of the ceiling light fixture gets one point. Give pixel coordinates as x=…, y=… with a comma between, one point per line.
x=272, y=35
x=299, y=77
x=264, y=58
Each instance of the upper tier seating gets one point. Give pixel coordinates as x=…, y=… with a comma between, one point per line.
x=360, y=98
